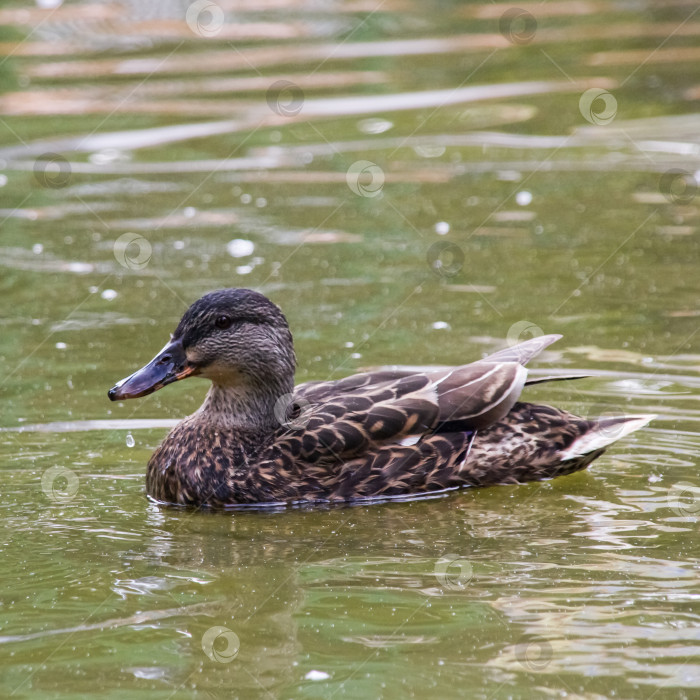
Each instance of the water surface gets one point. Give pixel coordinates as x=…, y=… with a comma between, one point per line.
x=416, y=184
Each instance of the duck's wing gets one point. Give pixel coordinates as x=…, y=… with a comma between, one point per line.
x=521, y=353
x=377, y=409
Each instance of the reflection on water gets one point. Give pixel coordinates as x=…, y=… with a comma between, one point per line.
x=318, y=152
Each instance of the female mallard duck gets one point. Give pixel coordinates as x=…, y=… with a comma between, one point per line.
x=257, y=439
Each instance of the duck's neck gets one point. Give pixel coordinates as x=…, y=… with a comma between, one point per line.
x=245, y=407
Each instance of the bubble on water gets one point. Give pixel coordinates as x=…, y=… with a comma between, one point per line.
x=374, y=126
x=315, y=675
x=246, y=198
x=108, y=155
x=442, y=228
x=109, y=294
x=81, y=268
x=244, y=269
x=260, y=202
x=240, y=248
x=523, y=198
x=61, y=346
x=441, y=325
x=130, y=442
x=189, y=212
x=178, y=245
x=3, y=180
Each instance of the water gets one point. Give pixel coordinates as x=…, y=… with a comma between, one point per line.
x=430, y=182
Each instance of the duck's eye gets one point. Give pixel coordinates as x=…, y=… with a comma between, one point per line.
x=223, y=321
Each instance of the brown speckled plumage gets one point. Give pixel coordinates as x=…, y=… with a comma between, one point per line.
x=379, y=434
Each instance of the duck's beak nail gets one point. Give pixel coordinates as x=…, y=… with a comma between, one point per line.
x=168, y=366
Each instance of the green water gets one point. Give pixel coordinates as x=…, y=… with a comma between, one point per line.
x=585, y=586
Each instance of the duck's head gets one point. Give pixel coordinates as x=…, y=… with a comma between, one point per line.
x=237, y=338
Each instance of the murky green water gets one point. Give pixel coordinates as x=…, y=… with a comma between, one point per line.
x=406, y=125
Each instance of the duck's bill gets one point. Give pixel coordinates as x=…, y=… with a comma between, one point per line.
x=168, y=366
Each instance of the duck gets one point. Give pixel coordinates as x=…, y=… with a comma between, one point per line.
x=386, y=434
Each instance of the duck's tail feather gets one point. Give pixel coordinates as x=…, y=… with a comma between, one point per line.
x=603, y=432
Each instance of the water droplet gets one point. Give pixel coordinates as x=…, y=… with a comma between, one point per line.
x=240, y=248
x=523, y=198
x=130, y=442
x=109, y=294
x=442, y=228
